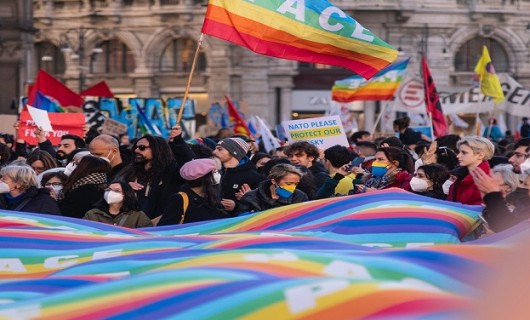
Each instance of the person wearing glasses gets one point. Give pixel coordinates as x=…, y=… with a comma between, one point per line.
x=154, y=172
x=19, y=191
x=54, y=181
x=119, y=207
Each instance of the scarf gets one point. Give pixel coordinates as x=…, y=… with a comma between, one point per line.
x=381, y=182
x=93, y=178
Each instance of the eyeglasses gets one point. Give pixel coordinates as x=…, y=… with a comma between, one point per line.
x=141, y=147
x=53, y=184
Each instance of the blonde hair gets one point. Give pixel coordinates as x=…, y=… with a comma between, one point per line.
x=23, y=175
x=478, y=144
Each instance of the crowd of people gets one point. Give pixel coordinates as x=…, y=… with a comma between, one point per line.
x=152, y=181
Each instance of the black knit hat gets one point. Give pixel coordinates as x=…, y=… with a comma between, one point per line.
x=237, y=147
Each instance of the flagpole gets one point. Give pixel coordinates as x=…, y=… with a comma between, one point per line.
x=381, y=112
x=190, y=77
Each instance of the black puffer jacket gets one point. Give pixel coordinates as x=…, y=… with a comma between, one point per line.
x=234, y=178
x=33, y=200
x=260, y=199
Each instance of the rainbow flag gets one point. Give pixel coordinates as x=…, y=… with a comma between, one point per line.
x=381, y=87
x=311, y=31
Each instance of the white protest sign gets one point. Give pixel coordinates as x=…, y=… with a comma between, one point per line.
x=41, y=118
x=323, y=132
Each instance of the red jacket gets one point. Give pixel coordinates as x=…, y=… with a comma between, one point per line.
x=402, y=181
x=465, y=191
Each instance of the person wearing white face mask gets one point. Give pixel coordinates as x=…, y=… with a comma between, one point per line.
x=428, y=181
x=199, y=199
x=119, y=208
x=19, y=192
x=107, y=148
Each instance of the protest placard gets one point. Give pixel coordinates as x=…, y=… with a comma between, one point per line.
x=323, y=132
x=113, y=127
x=62, y=123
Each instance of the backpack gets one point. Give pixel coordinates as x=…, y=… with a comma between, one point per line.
x=185, y=204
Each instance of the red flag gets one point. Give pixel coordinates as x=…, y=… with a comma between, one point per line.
x=53, y=88
x=100, y=89
x=240, y=126
x=432, y=102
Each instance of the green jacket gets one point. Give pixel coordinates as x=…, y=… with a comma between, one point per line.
x=131, y=219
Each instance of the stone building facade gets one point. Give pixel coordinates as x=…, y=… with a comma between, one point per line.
x=145, y=47
x=16, y=47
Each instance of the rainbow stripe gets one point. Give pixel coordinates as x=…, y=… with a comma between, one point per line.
x=301, y=262
x=381, y=87
x=317, y=32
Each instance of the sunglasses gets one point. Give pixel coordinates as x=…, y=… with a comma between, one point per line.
x=141, y=147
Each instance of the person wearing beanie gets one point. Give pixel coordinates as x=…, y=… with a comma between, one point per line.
x=239, y=173
x=199, y=197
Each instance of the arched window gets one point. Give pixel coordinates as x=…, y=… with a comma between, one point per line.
x=470, y=52
x=49, y=58
x=114, y=58
x=178, y=56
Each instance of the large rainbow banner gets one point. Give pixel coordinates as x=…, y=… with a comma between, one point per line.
x=311, y=31
x=381, y=87
x=302, y=262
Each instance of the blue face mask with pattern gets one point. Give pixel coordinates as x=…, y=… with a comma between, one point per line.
x=285, y=191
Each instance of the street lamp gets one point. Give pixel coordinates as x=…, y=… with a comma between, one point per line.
x=77, y=50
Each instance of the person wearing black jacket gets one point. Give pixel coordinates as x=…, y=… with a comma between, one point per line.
x=19, y=192
x=497, y=214
x=305, y=154
x=279, y=190
x=154, y=172
x=239, y=174
x=199, y=198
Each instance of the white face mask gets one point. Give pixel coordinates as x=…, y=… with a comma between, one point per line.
x=447, y=184
x=525, y=166
x=57, y=188
x=113, y=197
x=107, y=157
x=216, y=178
x=69, y=168
x=4, y=187
x=419, y=185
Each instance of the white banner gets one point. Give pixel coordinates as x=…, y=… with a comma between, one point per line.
x=323, y=132
x=409, y=98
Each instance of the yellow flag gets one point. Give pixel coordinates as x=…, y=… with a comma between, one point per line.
x=489, y=82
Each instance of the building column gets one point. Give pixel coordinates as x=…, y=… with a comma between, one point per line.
x=369, y=115
x=144, y=86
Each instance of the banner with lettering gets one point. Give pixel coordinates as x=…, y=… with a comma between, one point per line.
x=323, y=132
x=62, y=123
x=257, y=266
x=408, y=99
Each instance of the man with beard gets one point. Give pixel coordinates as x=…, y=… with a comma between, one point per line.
x=520, y=154
x=68, y=144
x=154, y=171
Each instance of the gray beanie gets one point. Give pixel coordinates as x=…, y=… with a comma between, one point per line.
x=237, y=147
